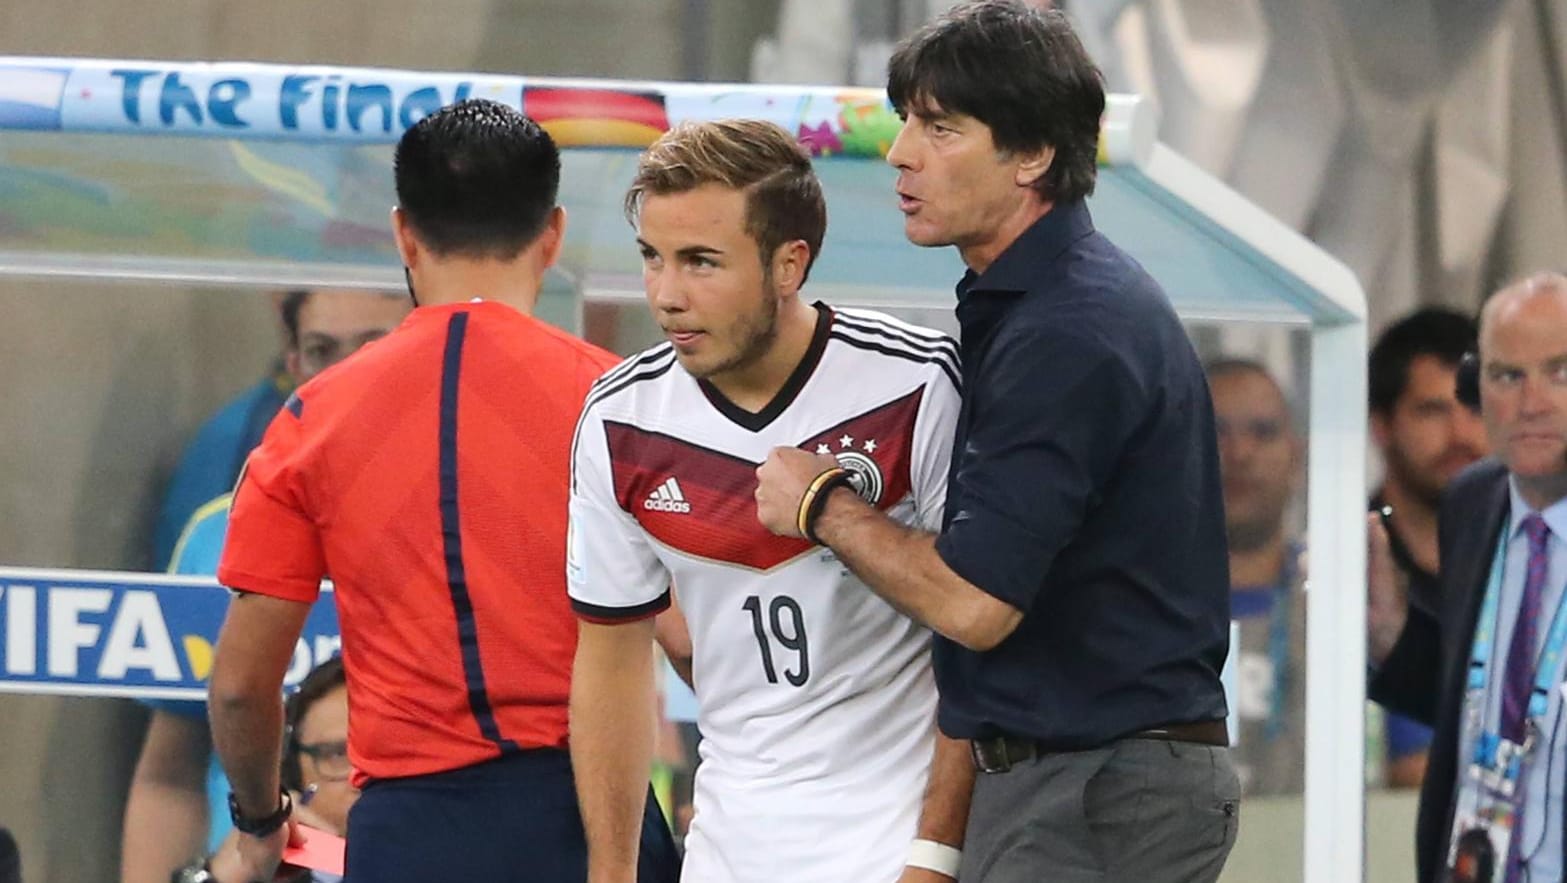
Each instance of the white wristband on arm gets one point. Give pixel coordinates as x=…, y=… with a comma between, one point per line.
x=933, y=856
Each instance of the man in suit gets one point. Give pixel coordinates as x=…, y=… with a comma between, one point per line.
x=1474, y=669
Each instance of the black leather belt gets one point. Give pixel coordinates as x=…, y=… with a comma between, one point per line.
x=999, y=754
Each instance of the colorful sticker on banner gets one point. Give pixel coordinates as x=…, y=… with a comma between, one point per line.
x=784, y=108
x=97, y=633
x=868, y=123
x=853, y=122
x=597, y=117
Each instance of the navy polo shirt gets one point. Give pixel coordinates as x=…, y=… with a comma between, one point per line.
x=1085, y=492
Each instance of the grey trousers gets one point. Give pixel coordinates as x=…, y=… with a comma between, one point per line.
x=1136, y=811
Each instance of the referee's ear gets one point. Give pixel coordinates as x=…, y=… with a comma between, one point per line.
x=403, y=235
x=551, y=238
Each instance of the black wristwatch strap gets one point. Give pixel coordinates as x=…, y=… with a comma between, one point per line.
x=844, y=478
x=263, y=826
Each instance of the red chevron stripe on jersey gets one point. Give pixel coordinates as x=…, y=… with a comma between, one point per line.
x=702, y=501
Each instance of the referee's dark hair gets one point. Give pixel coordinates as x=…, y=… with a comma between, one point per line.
x=1018, y=70
x=1441, y=333
x=477, y=179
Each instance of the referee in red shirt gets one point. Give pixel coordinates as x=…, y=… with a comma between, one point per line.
x=428, y=475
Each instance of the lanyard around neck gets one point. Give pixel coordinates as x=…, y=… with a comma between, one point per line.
x=1480, y=658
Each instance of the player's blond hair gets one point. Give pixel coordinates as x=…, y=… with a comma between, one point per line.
x=784, y=200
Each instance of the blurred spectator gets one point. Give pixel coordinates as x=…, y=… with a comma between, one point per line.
x=212, y=460
x=315, y=765
x=214, y=456
x=170, y=815
x=1260, y=456
x=1425, y=437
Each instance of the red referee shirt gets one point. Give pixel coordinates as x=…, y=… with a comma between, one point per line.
x=428, y=476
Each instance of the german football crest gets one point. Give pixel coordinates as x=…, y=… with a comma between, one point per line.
x=864, y=475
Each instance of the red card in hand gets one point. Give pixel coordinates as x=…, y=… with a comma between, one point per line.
x=321, y=851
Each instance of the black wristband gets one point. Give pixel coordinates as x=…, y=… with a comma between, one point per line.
x=819, y=502
x=266, y=824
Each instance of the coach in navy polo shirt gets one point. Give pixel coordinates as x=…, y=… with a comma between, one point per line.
x=1080, y=585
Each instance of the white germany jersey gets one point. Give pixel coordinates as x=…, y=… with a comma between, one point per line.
x=816, y=698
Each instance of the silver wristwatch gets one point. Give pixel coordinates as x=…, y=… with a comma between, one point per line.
x=194, y=873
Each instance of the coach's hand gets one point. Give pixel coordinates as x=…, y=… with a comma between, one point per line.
x=781, y=483
x=921, y=875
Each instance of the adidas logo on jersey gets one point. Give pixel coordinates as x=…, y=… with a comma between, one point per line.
x=667, y=498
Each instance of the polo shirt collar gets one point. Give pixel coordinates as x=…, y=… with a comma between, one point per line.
x=1016, y=269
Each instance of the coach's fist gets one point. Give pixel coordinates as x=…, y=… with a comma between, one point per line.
x=781, y=483
x=921, y=875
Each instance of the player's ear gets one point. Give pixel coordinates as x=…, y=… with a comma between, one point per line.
x=789, y=263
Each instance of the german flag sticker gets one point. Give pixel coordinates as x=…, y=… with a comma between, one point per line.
x=597, y=117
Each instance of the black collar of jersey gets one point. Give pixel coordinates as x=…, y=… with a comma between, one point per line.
x=1016, y=269
x=759, y=420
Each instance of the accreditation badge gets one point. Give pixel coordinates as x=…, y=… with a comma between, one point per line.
x=1480, y=844
x=1474, y=858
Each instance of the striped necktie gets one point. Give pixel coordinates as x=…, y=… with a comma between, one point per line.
x=1522, y=658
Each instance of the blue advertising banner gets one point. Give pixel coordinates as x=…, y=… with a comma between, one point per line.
x=150, y=636
x=103, y=633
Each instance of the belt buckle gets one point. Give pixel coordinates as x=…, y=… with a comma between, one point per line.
x=991, y=755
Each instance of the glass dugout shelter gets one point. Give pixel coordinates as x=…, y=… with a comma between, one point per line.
x=244, y=175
